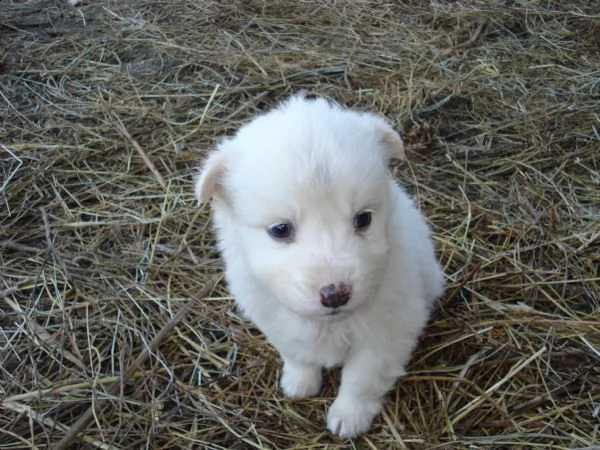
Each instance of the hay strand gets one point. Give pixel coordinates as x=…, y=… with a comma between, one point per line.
x=114, y=388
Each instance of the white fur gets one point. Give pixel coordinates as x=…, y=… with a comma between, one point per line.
x=316, y=165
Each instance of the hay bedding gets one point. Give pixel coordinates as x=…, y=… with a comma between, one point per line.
x=111, y=323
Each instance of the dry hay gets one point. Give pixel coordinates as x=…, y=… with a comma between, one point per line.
x=109, y=314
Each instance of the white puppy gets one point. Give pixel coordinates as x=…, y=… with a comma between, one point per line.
x=325, y=253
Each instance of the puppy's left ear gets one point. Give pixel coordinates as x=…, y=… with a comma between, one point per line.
x=392, y=140
x=389, y=138
x=210, y=182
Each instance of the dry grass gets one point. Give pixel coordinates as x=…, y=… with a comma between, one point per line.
x=109, y=314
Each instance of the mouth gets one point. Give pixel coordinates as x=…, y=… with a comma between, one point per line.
x=337, y=313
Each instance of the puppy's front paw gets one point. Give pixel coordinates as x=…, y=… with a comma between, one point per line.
x=350, y=416
x=300, y=381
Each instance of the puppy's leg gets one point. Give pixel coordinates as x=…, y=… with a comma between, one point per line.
x=365, y=380
x=300, y=380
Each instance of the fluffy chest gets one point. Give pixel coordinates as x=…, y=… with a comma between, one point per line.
x=318, y=342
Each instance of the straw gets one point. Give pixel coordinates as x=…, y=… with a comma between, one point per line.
x=107, y=110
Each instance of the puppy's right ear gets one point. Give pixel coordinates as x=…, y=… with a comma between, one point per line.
x=210, y=182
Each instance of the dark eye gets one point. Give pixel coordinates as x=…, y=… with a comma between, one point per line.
x=362, y=220
x=281, y=231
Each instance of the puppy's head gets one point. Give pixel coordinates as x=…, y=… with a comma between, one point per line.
x=302, y=198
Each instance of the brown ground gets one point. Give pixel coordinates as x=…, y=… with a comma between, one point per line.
x=103, y=259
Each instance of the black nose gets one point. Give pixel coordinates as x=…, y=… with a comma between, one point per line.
x=333, y=296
